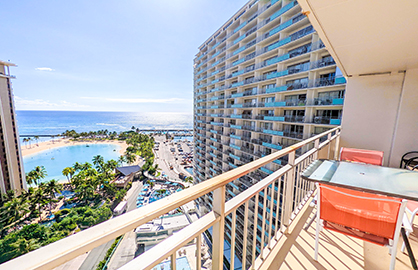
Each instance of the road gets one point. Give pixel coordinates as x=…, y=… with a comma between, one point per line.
x=165, y=158
x=126, y=250
x=98, y=253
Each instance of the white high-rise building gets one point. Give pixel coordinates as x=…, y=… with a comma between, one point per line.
x=262, y=82
x=12, y=175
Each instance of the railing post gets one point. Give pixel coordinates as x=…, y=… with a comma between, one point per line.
x=329, y=145
x=218, y=228
x=316, y=146
x=173, y=261
x=290, y=185
x=337, y=143
x=199, y=252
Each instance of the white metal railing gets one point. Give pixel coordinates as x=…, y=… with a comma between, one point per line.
x=285, y=188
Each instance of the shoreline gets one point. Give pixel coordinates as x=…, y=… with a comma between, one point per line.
x=43, y=146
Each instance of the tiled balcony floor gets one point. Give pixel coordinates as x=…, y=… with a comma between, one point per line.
x=338, y=251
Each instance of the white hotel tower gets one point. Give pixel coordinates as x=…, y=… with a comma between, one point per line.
x=12, y=175
x=262, y=82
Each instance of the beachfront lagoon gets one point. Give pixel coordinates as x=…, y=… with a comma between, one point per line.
x=56, y=159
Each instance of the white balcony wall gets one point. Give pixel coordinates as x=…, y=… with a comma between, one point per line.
x=380, y=113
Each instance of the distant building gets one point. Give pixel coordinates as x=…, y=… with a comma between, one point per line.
x=12, y=175
x=125, y=174
x=159, y=229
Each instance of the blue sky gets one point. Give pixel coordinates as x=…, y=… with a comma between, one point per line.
x=101, y=55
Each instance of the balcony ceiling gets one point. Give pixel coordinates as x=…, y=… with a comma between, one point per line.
x=365, y=37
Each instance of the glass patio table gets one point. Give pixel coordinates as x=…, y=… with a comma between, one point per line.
x=374, y=179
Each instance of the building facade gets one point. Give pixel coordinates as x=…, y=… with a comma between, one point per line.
x=262, y=82
x=12, y=175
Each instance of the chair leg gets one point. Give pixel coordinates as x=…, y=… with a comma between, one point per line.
x=411, y=221
x=394, y=251
x=403, y=244
x=310, y=222
x=398, y=231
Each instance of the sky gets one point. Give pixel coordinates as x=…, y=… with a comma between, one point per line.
x=102, y=55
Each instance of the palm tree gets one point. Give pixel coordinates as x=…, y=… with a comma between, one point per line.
x=121, y=160
x=40, y=173
x=52, y=187
x=98, y=161
x=85, y=166
x=39, y=197
x=30, y=178
x=85, y=192
x=150, y=183
x=28, y=197
x=25, y=140
x=13, y=210
x=77, y=166
x=68, y=172
x=130, y=158
x=37, y=138
x=35, y=175
x=189, y=180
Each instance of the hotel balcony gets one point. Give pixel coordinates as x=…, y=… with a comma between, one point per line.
x=323, y=120
x=289, y=247
x=326, y=102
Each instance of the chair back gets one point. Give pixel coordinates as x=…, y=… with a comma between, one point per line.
x=362, y=156
x=365, y=212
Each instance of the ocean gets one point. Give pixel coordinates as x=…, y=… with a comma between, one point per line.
x=57, y=122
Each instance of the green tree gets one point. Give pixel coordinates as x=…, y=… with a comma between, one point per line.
x=130, y=158
x=68, y=172
x=37, y=140
x=77, y=166
x=31, y=178
x=150, y=183
x=98, y=161
x=23, y=246
x=85, y=192
x=12, y=211
x=36, y=175
x=52, y=187
x=121, y=160
x=39, y=197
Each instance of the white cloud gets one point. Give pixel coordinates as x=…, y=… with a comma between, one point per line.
x=22, y=103
x=140, y=100
x=44, y=69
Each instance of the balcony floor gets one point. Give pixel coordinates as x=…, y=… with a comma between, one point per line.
x=338, y=251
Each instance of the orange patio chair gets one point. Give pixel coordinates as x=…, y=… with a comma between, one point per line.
x=372, y=157
x=370, y=217
x=412, y=209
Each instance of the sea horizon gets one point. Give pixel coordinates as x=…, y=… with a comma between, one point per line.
x=41, y=122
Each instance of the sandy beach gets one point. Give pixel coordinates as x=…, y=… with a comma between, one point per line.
x=36, y=148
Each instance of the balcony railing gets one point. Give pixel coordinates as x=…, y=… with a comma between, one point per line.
x=293, y=37
x=286, y=181
x=326, y=101
x=326, y=120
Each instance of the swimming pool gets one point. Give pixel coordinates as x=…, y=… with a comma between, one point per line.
x=56, y=159
x=182, y=138
x=181, y=264
x=190, y=170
